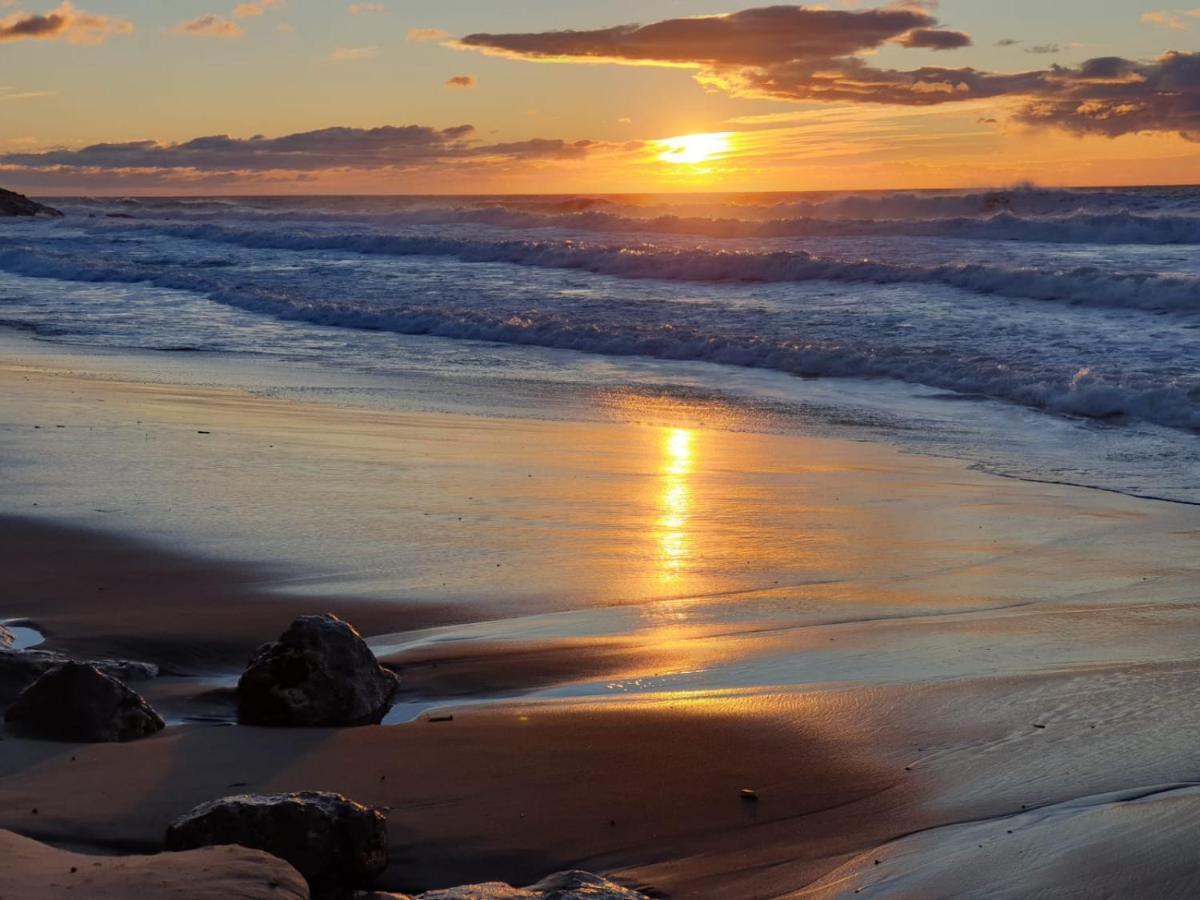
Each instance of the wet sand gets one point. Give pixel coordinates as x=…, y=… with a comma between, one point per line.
x=893, y=651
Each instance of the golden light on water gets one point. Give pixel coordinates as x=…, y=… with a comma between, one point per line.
x=675, y=501
x=693, y=149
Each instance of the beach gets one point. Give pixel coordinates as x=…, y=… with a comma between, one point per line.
x=630, y=611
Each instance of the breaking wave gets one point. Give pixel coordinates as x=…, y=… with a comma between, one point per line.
x=1085, y=285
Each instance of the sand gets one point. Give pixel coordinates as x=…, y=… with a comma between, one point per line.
x=905, y=659
x=33, y=871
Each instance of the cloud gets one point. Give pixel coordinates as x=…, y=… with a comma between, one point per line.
x=357, y=9
x=255, y=9
x=1007, y=42
x=933, y=39
x=386, y=147
x=463, y=82
x=11, y=93
x=1113, y=96
x=65, y=22
x=796, y=53
x=752, y=37
x=428, y=34
x=1174, y=20
x=209, y=26
x=1044, y=49
x=353, y=54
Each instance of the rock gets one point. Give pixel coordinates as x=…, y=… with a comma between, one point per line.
x=319, y=672
x=336, y=844
x=77, y=702
x=21, y=668
x=6, y=637
x=492, y=890
x=573, y=885
x=14, y=204
x=577, y=885
x=34, y=871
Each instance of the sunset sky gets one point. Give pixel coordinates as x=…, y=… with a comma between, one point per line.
x=451, y=96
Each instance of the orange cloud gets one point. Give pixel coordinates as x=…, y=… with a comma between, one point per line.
x=428, y=34
x=353, y=54
x=257, y=8
x=357, y=9
x=463, y=82
x=209, y=26
x=65, y=22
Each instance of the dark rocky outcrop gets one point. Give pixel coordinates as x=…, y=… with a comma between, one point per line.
x=319, y=673
x=77, y=702
x=14, y=204
x=335, y=843
x=21, y=668
x=574, y=885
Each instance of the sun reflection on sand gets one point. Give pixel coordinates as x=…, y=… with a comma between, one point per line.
x=675, y=502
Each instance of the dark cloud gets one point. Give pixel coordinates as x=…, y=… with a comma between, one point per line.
x=1044, y=49
x=753, y=37
x=463, y=82
x=310, y=151
x=1007, y=42
x=65, y=22
x=538, y=148
x=21, y=26
x=1108, y=95
x=804, y=54
x=851, y=80
x=934, y=39
x=1113, y=96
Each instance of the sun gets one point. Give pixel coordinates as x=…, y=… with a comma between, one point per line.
x=692, y=149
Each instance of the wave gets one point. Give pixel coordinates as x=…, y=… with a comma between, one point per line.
x=1022, y=200
x=1080, y=228
x=1086, y=285
x=709, y=333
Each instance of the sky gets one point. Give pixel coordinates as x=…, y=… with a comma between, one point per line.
x=557, y=96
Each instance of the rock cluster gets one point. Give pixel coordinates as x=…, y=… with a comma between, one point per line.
x=319, y=673
x=335, y=843
x=77, y=702
x=14, y=204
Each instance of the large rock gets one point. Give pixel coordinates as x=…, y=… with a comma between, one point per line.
x=319, y=672
x=14, y=204
x=78, y=702
x=574, y=885
x=336, y=844
x=34, y=871
x=21, y=668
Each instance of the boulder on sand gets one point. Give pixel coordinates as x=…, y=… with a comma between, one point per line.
x=335, y=843
x=319, y=673
x=21, y=668
x=14, y=204
x=77, y=702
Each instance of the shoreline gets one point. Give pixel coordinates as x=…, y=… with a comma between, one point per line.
x=916, y=645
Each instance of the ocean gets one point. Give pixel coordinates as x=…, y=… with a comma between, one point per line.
x=1042, y=334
